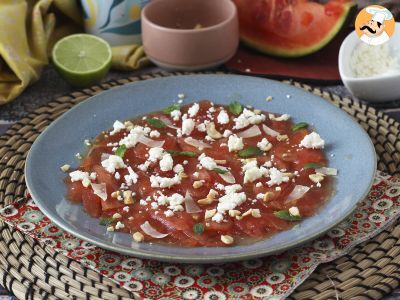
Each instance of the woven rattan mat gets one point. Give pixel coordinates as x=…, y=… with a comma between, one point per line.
x=32, y=271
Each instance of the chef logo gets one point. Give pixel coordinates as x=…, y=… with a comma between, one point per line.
x=375, y=25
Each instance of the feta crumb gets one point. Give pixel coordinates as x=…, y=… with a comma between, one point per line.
x=283, y=117
x=269, y=98
x=112, y=163
x=248, y=117
x=193, y=110
x=142, y=202
x=117, y=175
x=201, y=127
x=312, y=141
x=154, y=134
x=227, y=133
x=131, y=177
x=196, y=174
x=126, y=209
x=252, y=172
x=260, y=196
x=178, y=168
x=264, y=145
x=164, y=182
x=235, y=143
x=207, y=162
x=155, y=154
x=230, y=189
x=176, y=114
x=166, y=163
x=278, y=189
x=168, y=213
x=259, y=184
x=188, y=126
x=80, y=176
x=276, y=177
x=119, y=225
x=117, y=127
x=223, y=117
x=185, y=162
x=154, y=205
x=218, y=217
x=229, y=202
x=181, y=96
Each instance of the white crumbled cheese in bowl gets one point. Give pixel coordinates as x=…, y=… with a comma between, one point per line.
x=313, y=141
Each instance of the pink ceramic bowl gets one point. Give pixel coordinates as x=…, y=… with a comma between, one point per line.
x=190, y=34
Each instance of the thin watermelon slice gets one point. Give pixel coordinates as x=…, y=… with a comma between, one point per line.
x=291, y=28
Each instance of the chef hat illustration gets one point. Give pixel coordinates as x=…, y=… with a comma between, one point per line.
x=379, y=14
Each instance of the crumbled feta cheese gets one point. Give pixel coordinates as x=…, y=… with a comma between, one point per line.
x=207, y=162
x=155, y=154
x=187, y=126
x=119, y=225
x=230, y=189
x=154, y=205
x=229, y=202
x=178, y=168
x=112, y=163
x=220, y=186
x=252, y=172
x=276, y=177
x=218, y=217
x=80, y=176
x=131, y=177
x=168, y=213
x=278, y=189
x=65, y=168
x=185, y=162
x=176, y=114
x=142, y=202
x=283, y=117
x=134, y=135
x=264, y=144
x=196, y=174
x=143, y=167
x=259, y=184
x=193, y=110
x=211, y=109
x=166, y=163
x=235, y=143
x=175, y=202
x=260, y=196
x=126, y=209
x=313, y=141
x=223, y=117
x=117, y=175
x=164, y=182
x=154, y=134
x=248, y=117
x=227, y=133
x=201, y=127
x=294, y=211
x=117, y=127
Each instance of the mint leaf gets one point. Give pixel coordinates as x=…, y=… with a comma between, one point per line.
x=285, y=215
x=198, y=228
x=249, y=152
x=184, y=153
x=156, y=123
x=300, y=125
x=220, y=171
x=236, y=108
x=106, y=221
x=121, y=151
x=312, y=165
x=171, y=108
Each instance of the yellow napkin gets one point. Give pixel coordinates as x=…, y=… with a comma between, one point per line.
x=28, y=30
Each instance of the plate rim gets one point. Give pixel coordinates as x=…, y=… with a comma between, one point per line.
x=191, y=258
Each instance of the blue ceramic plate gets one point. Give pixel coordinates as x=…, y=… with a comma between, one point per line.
x=349, y=149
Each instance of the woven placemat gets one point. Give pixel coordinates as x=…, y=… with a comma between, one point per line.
x=32, y=271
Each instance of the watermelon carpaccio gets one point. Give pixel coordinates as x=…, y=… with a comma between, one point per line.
x=290, y=27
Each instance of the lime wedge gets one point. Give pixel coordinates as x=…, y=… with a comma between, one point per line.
x=82, y=59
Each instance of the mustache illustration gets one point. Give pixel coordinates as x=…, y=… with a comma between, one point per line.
x=368, y=28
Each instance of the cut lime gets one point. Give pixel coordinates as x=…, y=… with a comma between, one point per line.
x=82, y=59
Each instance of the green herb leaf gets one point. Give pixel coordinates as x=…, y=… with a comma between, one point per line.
x=300, y=125
x=312, y=165
x=156, y=123
x=236, y=108
x=106, y=221
x=285, y=215
x=220, y=171
x=121, y=151
x=171, y=108
x=184, y=153
x=198, y=228
x=249, y=152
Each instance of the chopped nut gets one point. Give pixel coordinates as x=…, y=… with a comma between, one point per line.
x=268, y=196
x=294, y=211
x=195, y=217
x=239, y=217
x=269, y=98
x=197, y=184
x=227, y=239
x=255, y=213
x=128, y=198
x=212, y=194
x=65, y=168
x=85, y=182
x=183, y=175
x=257, y=111
x=209, y=213
x=268, y=147
x=318, y=177
x=220, y=161
x=118, y=195
x=288, y=174
x=205, y=201
x=138, y=237
x=117, y=216
x=110, y=228
x=282, y=137
x=212, y=131
x=233, y=213
x=128, y=125
x=247, y=213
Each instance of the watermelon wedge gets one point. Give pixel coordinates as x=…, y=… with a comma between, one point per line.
x=291, y=28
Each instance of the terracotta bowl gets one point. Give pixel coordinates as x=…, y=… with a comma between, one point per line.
x=190, y=34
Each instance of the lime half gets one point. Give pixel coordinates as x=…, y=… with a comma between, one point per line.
x=82, y=59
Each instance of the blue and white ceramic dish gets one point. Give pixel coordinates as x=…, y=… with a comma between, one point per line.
x=349, y=149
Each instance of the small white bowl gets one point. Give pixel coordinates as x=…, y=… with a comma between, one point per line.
x=384, y=87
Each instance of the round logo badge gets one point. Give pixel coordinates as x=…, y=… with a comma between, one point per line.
x=375, y=25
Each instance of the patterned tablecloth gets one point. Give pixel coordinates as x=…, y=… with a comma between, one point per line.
x=51, y=86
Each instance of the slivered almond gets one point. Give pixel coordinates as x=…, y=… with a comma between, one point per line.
x=212, y=194
x=197, y=184
x=209, y=213
x=227, y=239
x=247, y=213
x=117, y=216
x=282, y=137
x=205, y=201
x=212, y=131
x=128, y=198
x=318, y=177
x=138, y=237
x=268, y=196
x=183, y=175
x=220, y=161
x=255, y=213
x=234, y=213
